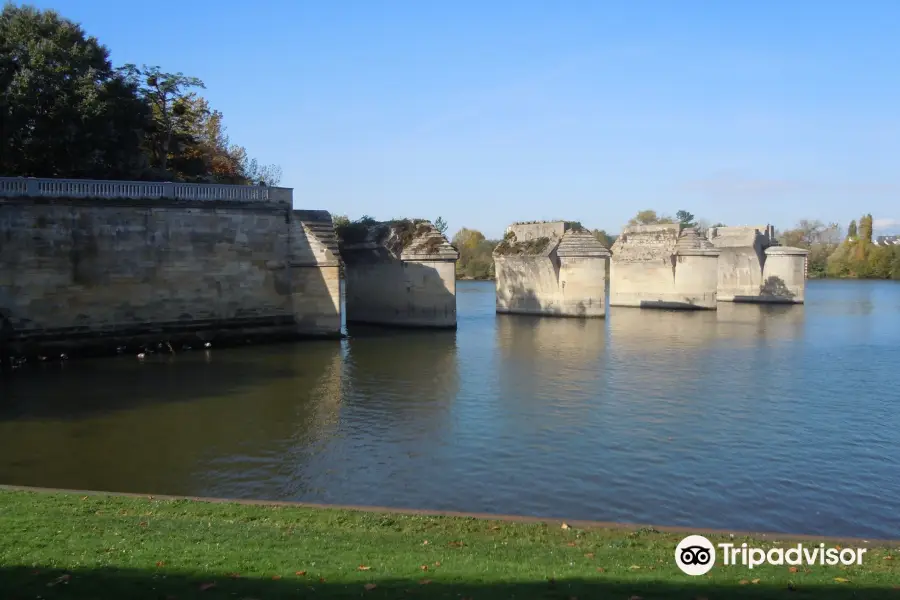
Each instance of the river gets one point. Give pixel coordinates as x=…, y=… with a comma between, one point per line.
x=781, y=418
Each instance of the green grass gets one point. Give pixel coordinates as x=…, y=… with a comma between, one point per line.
x=56, y=545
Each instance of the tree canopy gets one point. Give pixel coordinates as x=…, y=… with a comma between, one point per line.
x=649, y=217
x=65, y=111
x=476, y=259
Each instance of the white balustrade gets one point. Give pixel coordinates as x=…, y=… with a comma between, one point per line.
x=89, y=188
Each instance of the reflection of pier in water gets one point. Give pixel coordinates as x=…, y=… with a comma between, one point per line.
x=271, y=404
x=400, y=375
x=647, y=333
x=549, y=360
x=671, y=363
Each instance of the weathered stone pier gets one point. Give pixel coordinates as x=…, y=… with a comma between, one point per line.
x=663, y=266
x=90, y=265
x=552, y=268
x=754, y=268
x=400, y=273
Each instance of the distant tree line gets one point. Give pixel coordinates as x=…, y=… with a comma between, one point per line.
x=65, y=111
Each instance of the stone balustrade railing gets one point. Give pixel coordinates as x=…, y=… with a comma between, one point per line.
x=90, y=188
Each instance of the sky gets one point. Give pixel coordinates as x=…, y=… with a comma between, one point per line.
x=487, y=113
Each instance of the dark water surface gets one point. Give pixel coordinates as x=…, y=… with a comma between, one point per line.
x=759, y=418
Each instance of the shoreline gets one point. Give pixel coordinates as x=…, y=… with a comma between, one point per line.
x=582, y=524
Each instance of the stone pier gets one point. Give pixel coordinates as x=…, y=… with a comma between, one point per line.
x=89, y=265
x=663, y=266
x=754, y=268
x=552, y=268
x=399, y=273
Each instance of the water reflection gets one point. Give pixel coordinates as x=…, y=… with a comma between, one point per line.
x=395, y=377
x=779, y=418
x=737, y=321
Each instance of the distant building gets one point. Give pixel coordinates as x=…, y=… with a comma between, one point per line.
x=888, y=240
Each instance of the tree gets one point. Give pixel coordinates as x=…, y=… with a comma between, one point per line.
x=476, y=260
x=685, y=218
x=851, y=230
x=648, y=217
x=64, y=111
x=168, y=95
x=441, y=225
x=865, y=228
x=604, y=238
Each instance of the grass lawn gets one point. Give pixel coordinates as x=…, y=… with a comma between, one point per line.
x=57, y=545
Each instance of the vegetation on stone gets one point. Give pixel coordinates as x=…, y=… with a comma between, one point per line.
x=509, y=246
x=58, y=545
x=132, y=123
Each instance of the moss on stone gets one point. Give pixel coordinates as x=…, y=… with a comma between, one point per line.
x=510, y=247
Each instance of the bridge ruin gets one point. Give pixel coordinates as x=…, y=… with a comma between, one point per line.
x=663, y=266
x=753, y=267
x=92, y=265
x=399, y=273
x=553, y=268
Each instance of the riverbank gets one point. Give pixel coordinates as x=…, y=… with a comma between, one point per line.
x=58, y=544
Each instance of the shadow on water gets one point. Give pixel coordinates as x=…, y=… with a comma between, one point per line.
x=89, y=387
x=182, y=422
x=26, y=582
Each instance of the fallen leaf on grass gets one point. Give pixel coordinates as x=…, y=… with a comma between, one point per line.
x=564, y=526
x=425, y=543
x=424, y=567
x=363, y=568
x=571, y=544
x=143, y=523
x=589, y=555
x=160, y=563
x=207, y=586
x=841, y=580
x=276, y=577
x=634, y=567
x=754, y=581
x=495, y=528
x=601, y=570
x=424, y=581
x=321, y=580
x=84, y=497
x=234, y=575
x=370, y=586
x=456, y=544
x=743, y=582
x=437, y=563
x=300, y=573
x=888, y=557
x=793, y=569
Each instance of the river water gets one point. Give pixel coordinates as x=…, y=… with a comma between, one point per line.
x=756, y=418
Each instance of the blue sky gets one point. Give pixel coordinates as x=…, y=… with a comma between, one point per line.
x=492, y=112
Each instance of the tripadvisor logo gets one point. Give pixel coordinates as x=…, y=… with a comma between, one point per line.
x=695, y=555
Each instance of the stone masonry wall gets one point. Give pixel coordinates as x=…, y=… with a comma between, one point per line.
x=663, y=266
x=567, y=278
x=741, y=259
x=402, y=293
x=399, y=273
x=82, y=273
